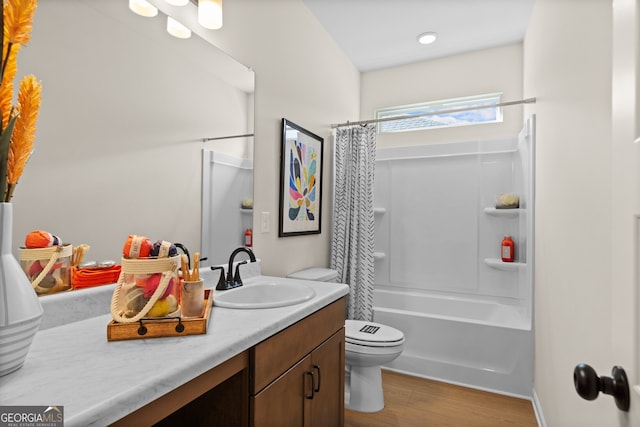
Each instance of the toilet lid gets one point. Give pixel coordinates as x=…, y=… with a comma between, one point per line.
x=372, y=334
x=315, y=273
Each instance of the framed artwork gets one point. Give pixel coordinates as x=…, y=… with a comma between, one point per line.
x=300, y=181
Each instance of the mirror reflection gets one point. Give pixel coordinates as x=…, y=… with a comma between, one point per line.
x=227, y=200
x=120, y=141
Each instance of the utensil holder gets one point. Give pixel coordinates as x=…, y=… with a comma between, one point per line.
x=192, y=298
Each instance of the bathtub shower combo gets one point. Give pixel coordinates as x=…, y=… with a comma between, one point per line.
x=439, y=278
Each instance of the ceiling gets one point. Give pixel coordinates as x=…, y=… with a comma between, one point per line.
x=379, y=34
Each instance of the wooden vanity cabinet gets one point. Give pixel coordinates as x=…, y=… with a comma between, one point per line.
x=293, y=378
x=216, y=398
x=297, y=375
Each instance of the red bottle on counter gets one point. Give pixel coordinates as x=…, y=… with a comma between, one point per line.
x=507, y=249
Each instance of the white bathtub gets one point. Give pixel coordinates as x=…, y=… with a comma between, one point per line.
x=481, y=344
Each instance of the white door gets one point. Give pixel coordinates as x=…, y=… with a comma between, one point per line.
x=626, y=199
x=625, y=202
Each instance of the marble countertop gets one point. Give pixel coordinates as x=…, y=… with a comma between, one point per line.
x=72, y=364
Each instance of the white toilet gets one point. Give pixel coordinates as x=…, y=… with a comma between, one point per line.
x=368, y=345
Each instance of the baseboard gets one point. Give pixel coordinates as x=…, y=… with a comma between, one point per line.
x=537, y=409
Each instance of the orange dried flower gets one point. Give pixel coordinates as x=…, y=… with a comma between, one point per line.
x=17, y=124
x=18, y=20
x=25, y=128
x=6, y=87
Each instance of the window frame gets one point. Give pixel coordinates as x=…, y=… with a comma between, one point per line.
x=441, y=105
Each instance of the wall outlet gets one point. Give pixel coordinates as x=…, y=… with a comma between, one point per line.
x=264, y=222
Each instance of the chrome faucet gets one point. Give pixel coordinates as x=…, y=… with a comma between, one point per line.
x=233, y=280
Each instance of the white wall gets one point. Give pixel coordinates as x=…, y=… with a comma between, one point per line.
x=98, y=179
x=567, y=67
x=303, y=76
x=486, y=71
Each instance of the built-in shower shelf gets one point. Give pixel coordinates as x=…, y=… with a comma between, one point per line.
x=498, y=264
x=379, y=255
x=503, y=212
x=379, y=211
x=246, y=211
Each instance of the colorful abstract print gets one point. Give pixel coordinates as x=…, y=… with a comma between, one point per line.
x=302, y=182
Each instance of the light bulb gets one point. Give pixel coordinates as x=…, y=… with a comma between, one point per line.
x=176, y=29
x=143, y=8
x=210, y=14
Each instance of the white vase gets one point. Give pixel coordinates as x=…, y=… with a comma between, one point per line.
x=20, y=308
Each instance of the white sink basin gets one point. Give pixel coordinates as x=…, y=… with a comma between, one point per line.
x=264, y=295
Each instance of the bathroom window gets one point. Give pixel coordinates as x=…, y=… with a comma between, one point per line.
x=450, y=119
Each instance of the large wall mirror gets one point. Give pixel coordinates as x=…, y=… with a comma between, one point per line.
x=120, y=143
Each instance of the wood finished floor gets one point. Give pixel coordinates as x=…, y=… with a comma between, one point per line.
x=412, y=401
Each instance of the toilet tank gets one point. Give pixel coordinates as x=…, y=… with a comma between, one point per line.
x=318, y=274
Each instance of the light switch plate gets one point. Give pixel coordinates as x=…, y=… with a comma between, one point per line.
x=264, y=222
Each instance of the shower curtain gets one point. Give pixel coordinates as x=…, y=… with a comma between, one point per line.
x=352, y=242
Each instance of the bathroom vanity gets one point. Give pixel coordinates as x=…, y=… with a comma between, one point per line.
x=259, y=367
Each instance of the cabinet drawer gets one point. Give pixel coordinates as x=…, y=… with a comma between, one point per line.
x=273, y=356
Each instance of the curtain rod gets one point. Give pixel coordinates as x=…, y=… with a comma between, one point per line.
x=246, y=135
x=456, y=110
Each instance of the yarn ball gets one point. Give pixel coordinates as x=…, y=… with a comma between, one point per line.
x=151, y=284
x=135, y=300
x=163, y=249
x=49, y=281
x=55, y=266
x=41, y=239
x=173, y=303
x=35, y=268
x=137, y=247
x=159, y=309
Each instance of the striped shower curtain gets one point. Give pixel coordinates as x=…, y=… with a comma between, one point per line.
x=353, y=223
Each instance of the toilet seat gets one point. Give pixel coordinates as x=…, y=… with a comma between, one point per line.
x=371, y=334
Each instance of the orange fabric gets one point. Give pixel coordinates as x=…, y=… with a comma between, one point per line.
x=89, y=277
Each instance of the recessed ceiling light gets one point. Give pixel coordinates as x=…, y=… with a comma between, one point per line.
x=427, y=38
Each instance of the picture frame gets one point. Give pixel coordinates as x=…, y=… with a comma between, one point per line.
x=301, y=159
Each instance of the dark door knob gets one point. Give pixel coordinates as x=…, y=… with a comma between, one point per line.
x=588, y=384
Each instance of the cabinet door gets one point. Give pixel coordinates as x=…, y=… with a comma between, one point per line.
x=327, y=405
x=286, y=401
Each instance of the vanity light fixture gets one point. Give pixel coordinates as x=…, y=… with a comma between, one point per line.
x=176, y=29
x=427, y=38
x=143, y=8
x=177, y=2
x=210, y=14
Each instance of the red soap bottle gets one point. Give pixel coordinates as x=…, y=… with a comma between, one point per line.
x=507, y=249
x=248, y=238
